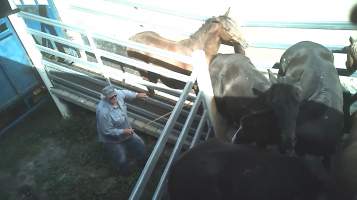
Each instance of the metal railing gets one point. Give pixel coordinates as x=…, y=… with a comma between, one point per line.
x=70, y=91
x=88, y=97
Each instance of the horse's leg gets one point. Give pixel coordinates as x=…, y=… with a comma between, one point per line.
x=172, y=83
x=154, y=78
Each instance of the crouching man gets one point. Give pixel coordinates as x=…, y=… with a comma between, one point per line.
x=115, y=131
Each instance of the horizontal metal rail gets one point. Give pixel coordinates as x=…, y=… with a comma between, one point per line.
x=328, y=25
x=124, y=17
x=77, y=86
x=127, y=43
x=158, y=9
x=333, y=48
x=337, y=25
x=144, y=66
x=75, y=70
x=94, y=67
x=138, y=64
x=129, y=78
x=60, y=40
x=94, y=95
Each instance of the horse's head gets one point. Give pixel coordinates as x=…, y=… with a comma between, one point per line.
x=230, y=30
x=351, y=51
x=284, y=97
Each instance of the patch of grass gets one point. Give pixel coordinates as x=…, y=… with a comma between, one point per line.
x=46, y=157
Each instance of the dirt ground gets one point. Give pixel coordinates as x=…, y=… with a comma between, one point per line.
x=47, y=157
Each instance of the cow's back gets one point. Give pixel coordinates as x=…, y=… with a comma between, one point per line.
x=217, y=170
x=320, y=119
x=312, y=64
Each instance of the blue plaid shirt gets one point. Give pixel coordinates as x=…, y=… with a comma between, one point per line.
x=111, y=121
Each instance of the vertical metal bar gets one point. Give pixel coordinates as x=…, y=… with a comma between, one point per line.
x=180, y=140
x=97, y=56
x=208, y=132
x=54, y=10
x=199, y=130
x=36, y=58
x=205, y=85
x=160, y=144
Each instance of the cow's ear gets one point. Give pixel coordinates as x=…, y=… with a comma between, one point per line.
x=277, y=65
x=272, y=77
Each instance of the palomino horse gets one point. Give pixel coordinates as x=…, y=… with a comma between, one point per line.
x=207, y=38
x=351, y=51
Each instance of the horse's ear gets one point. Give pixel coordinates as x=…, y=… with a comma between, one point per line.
x=227, y=12
x=272, y=78
x=352, y=40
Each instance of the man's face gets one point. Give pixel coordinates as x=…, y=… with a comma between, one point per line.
x=113, y=99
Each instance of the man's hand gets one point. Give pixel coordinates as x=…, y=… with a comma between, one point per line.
x=128, y=131
x=142, y=95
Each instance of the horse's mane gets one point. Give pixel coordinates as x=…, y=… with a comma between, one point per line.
x=206, y=26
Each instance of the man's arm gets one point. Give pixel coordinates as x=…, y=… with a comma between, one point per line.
x=107, y=128
x=132, y=95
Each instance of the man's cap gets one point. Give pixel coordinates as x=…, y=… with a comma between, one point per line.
x=108, y=91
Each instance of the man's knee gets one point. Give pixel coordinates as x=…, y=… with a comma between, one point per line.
x=138, y=147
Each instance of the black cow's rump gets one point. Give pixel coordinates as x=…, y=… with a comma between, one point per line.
x=216, y=170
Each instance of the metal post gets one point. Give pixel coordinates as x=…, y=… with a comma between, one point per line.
x=36, y=58
x=98, y=56
x=177, y=149
x=205, y=85
x=200, y=126
x=160, y=144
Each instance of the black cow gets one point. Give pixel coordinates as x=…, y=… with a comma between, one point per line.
x=345, y=166
x=259, y=128
x=223, y=171
x=307, y=99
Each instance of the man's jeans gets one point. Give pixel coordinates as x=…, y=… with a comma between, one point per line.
x=124, y=152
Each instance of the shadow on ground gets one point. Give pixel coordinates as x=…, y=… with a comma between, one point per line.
x=48, y=158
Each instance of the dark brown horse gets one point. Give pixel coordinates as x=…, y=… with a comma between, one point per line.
x=208, y=38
